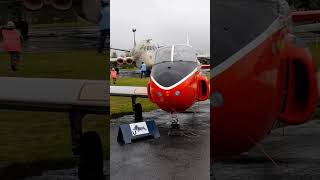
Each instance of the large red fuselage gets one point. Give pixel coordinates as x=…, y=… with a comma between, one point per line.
x=271, y=78
x=176, y=86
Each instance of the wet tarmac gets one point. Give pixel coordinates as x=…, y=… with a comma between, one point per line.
x=60, y=39
x=296, y=156
x=129, y=73
x=65, y=174
x=169, y=157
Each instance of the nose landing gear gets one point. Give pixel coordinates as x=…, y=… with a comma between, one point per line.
x=175, y=126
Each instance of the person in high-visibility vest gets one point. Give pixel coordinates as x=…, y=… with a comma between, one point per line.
x=113, y=75
x=12, y=43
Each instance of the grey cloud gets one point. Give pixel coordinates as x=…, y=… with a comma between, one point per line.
x=165, y=21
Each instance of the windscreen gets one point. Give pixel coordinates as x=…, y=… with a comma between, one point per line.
x=175, y=53
x=163, y=55
x=184, y=53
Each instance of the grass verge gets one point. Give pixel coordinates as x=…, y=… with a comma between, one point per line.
x=31, y=142
x=120, y=106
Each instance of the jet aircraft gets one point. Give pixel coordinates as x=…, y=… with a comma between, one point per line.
x=14, y=10
x=144, y=51
x=176, y=81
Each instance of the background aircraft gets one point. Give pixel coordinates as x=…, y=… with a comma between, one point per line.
x=142, y=52
x=14, y=10
x=261, y=73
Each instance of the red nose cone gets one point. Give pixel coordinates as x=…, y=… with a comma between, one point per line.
x=176, y=99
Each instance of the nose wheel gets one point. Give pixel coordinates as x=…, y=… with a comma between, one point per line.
x=175, y=126
x=174, y=121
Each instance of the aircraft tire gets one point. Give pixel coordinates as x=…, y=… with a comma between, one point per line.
x=91, y=157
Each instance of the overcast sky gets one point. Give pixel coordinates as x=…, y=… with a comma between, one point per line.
x=165, y=21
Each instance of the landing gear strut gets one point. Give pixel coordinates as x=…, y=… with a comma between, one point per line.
x=175, y=126
x=174, y=121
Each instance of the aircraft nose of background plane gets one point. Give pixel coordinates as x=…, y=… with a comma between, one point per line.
x=169, y=73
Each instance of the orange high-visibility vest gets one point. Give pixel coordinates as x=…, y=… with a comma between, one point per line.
x=11, y=40
x=114, y=74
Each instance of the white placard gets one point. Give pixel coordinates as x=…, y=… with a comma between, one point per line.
x=139, y=128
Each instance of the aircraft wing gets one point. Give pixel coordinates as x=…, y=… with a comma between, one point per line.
x=128, y=91
x=57, y=95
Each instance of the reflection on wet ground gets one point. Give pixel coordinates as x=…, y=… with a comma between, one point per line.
x=66, y=174
x=61, y=39
x=169, y=157
x=57, y=39
x=296, y=154
x=129, y=73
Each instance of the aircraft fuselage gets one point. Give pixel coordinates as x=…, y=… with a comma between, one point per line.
x=261, y=74
x=176, y=85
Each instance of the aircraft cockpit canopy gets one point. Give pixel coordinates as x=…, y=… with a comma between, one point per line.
x=175, y=53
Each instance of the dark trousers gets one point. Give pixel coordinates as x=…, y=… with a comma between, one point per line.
x=143, y=74
x=102, y=40
x=14, y=59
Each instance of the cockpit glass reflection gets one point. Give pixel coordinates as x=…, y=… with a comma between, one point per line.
x=175, y=53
